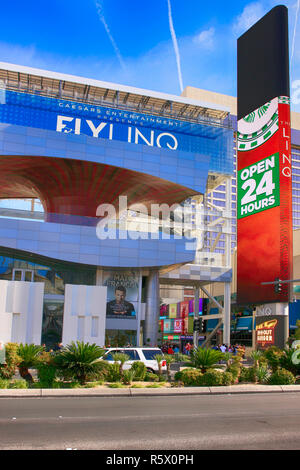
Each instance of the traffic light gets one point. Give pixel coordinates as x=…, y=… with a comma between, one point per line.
x=198, y=325
x=278, y=286
x=205, y=306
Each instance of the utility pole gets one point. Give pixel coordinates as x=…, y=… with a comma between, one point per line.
x=196, y=316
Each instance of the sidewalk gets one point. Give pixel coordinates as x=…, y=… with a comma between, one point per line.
x=136, y=392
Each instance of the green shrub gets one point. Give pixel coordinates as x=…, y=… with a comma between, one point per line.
x=29, y=357
x=120, y=359
x=273, y=356
x=150, y=377
x=212, y=378
x=205, y=359
x=287, y=363
x=248, y=374
x=235, y=370
x=262, y=374
x=100, y=374
x=4, y=383
x=18, y=384
x=191, y=377
x=179, y=357
x=79, y=360
x=8, y=370
x=140, y=370
x=46, y=372
x=113, y=373
x=127, y=376
x=178, y=376
x=227, y=378
x=282, y=377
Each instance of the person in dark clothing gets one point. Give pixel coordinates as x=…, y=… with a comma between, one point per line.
x=120, y=306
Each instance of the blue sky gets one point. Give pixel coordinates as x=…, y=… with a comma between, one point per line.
x=130, y=41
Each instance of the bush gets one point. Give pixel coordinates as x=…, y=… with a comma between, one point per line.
x=282, y=377
x=150, y=377
x=46, y=372
x=248, y=374
x=228, y=378
x=191, y=377
x=140, y=370
x=262, y=374
x=212, y=378
x=273, y=356
x=179, y=357
x=235, y=370
x=113, y=372
x=18, y=384
x=178, y=376
x=127, y=376
x=4, y=383
x=79, y=360
x=8, y=370
x=29, y=357
x=286, y=361
x=205, y=359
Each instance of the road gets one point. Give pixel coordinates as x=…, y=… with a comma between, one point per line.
x=254, y=421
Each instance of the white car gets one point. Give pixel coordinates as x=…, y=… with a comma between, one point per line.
x=145, y=355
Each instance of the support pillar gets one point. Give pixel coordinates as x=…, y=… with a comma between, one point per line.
x=152, y=309
x=227, y=312
x=196, y=315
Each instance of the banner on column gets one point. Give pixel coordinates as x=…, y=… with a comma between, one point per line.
x=122, y=293
x=264, y=183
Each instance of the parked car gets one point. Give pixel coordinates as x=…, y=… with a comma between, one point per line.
x=145, y=355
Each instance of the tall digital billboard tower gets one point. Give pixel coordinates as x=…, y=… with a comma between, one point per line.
x=264, y=199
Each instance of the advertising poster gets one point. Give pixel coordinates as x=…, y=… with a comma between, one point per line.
x=167, y=326
x=269, y=331
x=265, y=333
x=191, y=304
x=264, y=203
x=122, y=293
x=178, y=325
x=172, y=310
x=184, y=309
x=264, y=170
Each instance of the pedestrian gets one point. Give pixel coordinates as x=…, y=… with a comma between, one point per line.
x=170, y=350
x=188, y=348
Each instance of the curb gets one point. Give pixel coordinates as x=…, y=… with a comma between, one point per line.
x=136, y=392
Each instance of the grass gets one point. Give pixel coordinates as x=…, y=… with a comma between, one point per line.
x=116, y=385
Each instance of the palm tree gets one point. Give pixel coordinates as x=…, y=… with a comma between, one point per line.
x=169, y=358
x=256, y=356
x=80, y=360
x=28, y=357
x=159, y=358
x=121, y=358
x=204, y=359
x=227, y=358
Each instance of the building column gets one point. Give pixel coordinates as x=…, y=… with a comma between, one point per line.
x=152, y=309
x=196, y=315
x=227, y=313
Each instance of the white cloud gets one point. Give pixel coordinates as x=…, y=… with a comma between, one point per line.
x=206, y=38
x=249, y=16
